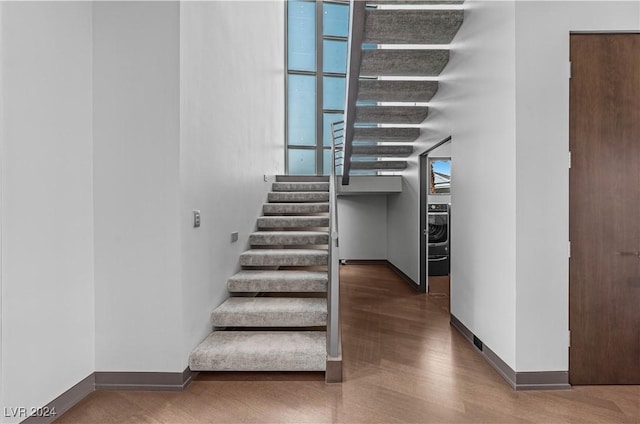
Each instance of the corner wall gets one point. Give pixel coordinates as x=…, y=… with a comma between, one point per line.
x=47, y=274
x=232, y=133
x=136, y=111
x=475, y=104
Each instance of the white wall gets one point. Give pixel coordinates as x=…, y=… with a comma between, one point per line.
x=232, y=133
x=542, y=171
x=136, y=186
x=362, y=224
x=475, y=104
x=47, y=211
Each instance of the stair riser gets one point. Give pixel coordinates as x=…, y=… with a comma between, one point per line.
x=284, y=260
x=396, y=91
x=382, y=62
x=278, y=281
x=396, y=135
x=294, y=209
x=306, y=187
x=391, y=114
x=301, y=178
x=276, y=287
x=412, y=26
x=379, y=165
x=310, y=222
x=286, y=240
x=303, y=319
x=297, y=197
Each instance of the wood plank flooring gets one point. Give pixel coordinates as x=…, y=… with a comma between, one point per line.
x=403, y=362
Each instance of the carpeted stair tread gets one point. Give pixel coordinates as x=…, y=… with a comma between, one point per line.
x=261, y=351
x=388, y=165
x=411, y=26
x=297, y=196
x=292, y=221
x=391, y=114
x=397, y=135
x=271, y=312
x=387, y=62
x=300, y=186
x=284, y=257
x=382, y=151
x=294, y=208
x=288, y=238
x=288, y=281
x=396, y=91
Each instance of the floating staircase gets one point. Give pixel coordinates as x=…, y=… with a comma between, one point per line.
x=395, y=54
x=276, y=317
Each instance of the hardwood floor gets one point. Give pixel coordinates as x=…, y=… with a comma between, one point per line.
x=403, y=362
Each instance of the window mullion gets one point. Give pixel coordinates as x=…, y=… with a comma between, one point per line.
x=319, y=86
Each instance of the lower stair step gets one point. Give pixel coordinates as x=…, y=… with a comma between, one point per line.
x=250, y=281
x=288, y=238
x=300, y=186
x=293, y=221
x=271, y=312
x=284, y=257
x=294, y=208
x=298, y=196
x=261, y=351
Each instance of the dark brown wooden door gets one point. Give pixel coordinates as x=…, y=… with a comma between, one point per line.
x=604, y=209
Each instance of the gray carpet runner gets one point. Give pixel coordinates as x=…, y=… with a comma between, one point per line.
x=395, y=74
x=282, y=286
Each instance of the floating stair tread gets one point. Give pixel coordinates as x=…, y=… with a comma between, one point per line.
x=288, y=238
x=300, y=186
x=294, y=208
x=399, y=135
x=292, y=221
x=284, y=257
x=391, y=114
x=388, y=165
x=261, y=351
x=387, y=62
x=297, y=196
x=413, y=26
x=382, y=151
x=271, y=312
x=250, y=281
x=396, y=91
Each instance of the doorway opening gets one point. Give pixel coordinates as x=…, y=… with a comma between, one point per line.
x=435, y=218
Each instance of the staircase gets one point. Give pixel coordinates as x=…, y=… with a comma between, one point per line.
x=395, y=55
x=276, y=317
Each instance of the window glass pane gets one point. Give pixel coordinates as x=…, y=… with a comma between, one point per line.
x=327, y=120
x=335, y=19
x=334, y=93
x=326, y=162
x=334, y=56
x=302, y=162
x=301, y=32
x=301, y=110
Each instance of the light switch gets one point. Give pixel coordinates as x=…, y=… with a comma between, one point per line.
x=234, y=236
